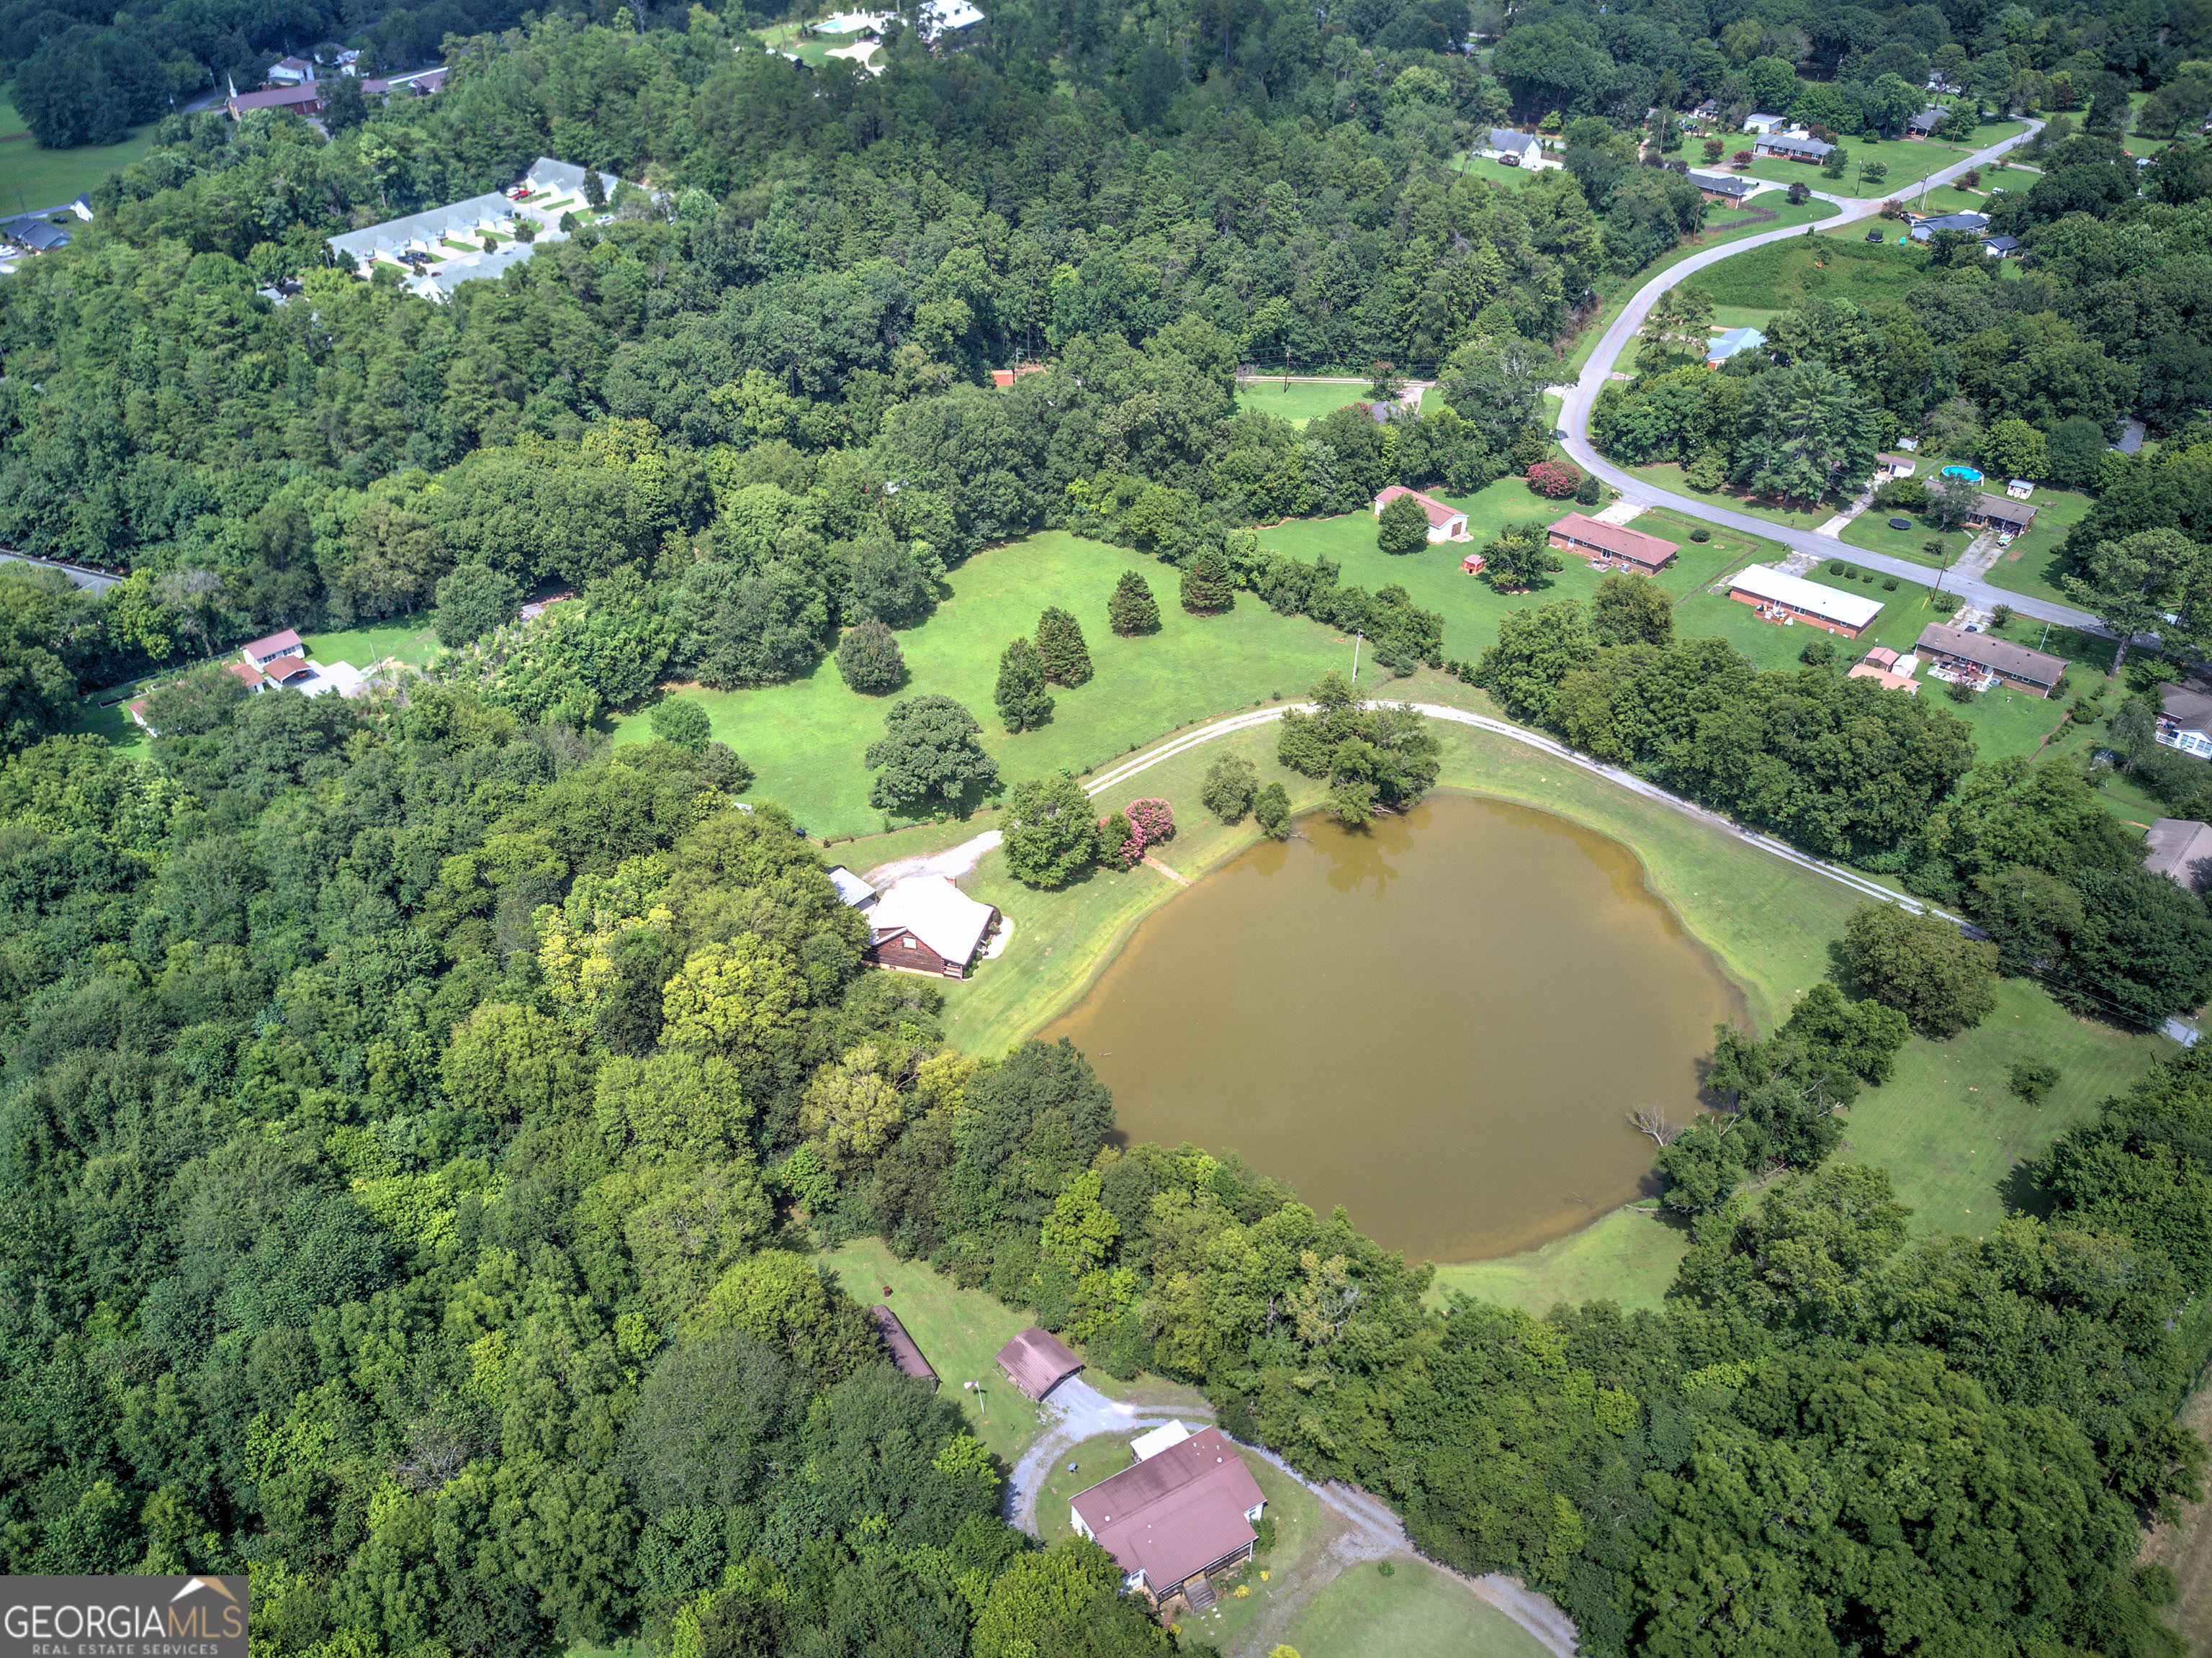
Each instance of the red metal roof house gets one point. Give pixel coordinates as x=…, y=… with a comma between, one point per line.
x=1579, y=533
x=1445, y=523
x=1181, y=1513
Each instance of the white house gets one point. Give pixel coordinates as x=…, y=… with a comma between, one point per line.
x=1445, y=523
x=1513, y=149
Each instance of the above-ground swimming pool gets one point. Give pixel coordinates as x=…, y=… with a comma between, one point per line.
x=1966, y=473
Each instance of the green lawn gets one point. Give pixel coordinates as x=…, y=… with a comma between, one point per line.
x=1415, y=1612
x=1092, y=1460
x=1951, y=1132
x=1615, y=289
x=1630, y=1256
x=805, y=740
x=1668, y=474
x=1909, y=161
x=1495, y=173
x=411, y=640
x=812, y=50
x=1302, y=400
x=2033, y=563
x=1871, y=530
x=960, y=1332
x=1470, y=608
x=32, y=178
x=1787, y=273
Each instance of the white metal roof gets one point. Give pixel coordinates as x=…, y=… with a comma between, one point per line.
x=1830, y=604
x=851, y=889
x=1160, y=1439
x=936, y=912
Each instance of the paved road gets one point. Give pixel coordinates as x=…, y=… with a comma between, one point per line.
x=1574, y=418
x=93, y=581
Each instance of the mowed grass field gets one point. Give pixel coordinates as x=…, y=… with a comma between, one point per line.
x=2034, y=563
x=805, y=739
x=1415, y=1612
x=1298, y=401
x=32, y=178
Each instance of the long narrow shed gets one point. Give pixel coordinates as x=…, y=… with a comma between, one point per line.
x=906, y=1353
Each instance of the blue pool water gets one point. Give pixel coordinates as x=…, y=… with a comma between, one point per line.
x=1966, y=473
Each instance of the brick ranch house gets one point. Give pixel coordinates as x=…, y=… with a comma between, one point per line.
x=1782, y=598
x=1596, y=540
x=1953, y=653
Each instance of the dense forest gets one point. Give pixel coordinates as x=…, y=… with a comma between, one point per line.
x=418, y=1120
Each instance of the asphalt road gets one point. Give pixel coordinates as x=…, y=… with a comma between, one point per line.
x=93, y=581
x=1574, y=419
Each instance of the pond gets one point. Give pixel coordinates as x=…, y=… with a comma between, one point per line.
x=1441, y=1022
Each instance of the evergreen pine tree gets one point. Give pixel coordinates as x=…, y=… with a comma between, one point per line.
x=1023, y=703
x=1133, y=610
x=1060, y=646
x=1208, y=586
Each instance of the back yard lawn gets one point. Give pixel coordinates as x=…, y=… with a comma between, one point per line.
x=2033, y=563
x=1495, y=173
x=1415, y=1612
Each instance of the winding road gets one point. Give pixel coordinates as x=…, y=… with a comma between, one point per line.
x=1963, y=579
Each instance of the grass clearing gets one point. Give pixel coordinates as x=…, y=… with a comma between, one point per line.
x=1908, y=160
x=1630, y=1255
x=1495, y=171
x=409, y=639
x=958, y=1331
x=1955, y=1138
x=1870, y=530
x=1298, y=401
x=32, y=178
x=806, y=738
x=1786, y=274
x=1415, y=1612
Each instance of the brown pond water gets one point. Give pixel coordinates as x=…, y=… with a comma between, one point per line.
x=1441, y=1023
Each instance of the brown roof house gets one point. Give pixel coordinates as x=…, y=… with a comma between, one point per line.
x=1953, y=653
x=1997, y=512
x=905, y=1353
x=926, y=925
x=2181, y=851
x=1037, y=1361
x=1594, y=538
x=1185, y=1510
